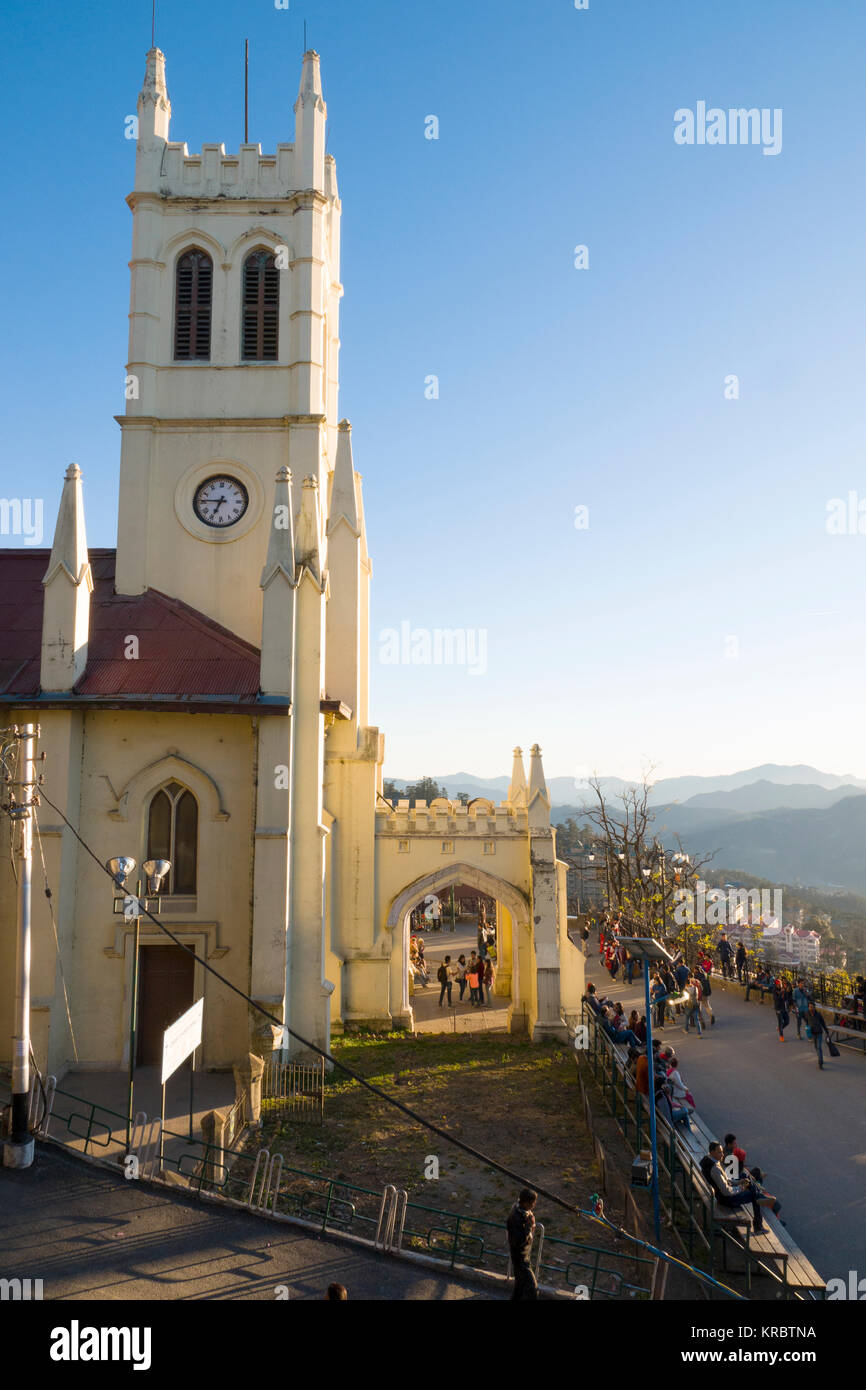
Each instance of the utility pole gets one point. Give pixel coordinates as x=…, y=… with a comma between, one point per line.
x=19, y=1149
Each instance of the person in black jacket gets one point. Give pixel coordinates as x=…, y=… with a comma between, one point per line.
x=726, y=956
x=783, y=1018
x=521, y=1229
x=703, y=980
x=818, y=1028
x=740, y=960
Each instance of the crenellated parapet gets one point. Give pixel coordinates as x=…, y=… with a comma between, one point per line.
x=480, y=819
x=215, y=174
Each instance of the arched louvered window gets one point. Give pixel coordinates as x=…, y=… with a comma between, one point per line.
x=192, y=306
x=172, y=833
x=261, y=307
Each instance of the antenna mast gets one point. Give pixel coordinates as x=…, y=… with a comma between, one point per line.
x=246, y=91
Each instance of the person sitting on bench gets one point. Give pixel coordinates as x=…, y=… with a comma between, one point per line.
x=727, y=1193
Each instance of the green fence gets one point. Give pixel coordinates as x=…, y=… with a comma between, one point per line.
x=680, y=1196
x=262, y=1181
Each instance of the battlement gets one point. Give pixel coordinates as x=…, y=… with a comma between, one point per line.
x=166, y=167
x=215, y=174
x=442, y=817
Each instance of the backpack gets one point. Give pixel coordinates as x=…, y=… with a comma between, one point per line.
x=442, y=975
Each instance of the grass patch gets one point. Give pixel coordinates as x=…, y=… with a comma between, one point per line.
x=509, y=1098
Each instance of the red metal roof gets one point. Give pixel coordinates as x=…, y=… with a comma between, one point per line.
x=181, y=653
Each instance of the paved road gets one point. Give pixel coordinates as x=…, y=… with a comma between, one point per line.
x=90, y=1235
x=806, y=1128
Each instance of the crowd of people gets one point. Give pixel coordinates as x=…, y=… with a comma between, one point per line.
x=477, y=974
x=682, y=993
x=724, y=1165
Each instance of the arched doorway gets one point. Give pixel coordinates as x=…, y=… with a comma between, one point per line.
x=506, y=910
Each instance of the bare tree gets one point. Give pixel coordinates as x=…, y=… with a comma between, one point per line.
x=645, y=881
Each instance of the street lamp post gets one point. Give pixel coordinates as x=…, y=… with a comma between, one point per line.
x=130, y=905
x=649, y=951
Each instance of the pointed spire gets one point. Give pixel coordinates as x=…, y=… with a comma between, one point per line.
x=154, y=107
x=281, y=543
x=70, y=542
x=310, y=89
x=310, y=115
x=517, y=789
x=68, y=585
x=279, y=595
x=539, y=799
x=307, y=539
x=344, y=501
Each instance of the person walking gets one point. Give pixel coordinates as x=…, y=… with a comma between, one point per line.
x=704, y=980
x=681, y=974
x=801, y=1004
x=693, y=1007
x=783, y=1018
x=446, y=980
x=521, y=1229
x=816, y=1029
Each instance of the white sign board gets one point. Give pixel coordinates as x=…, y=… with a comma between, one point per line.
x=181, y=1039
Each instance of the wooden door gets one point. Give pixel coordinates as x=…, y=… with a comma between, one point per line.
x=165, y=991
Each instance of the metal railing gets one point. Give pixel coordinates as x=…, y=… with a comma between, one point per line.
x=294, y=1087
x=827, y=987
x=681, y=1197
x=684, y=1196
x=262, y=1181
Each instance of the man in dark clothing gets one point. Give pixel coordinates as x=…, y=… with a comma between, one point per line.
x=726, y=956
x=682, y=973
x=591, y=998
x=740, y=960
x=445, y=977
x=521, y=1229
x=703, y=980
x=728, y=1193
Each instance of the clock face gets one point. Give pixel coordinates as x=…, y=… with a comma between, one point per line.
x=220, y=501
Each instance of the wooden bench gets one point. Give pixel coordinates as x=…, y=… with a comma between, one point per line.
x=776, y=1246
x=773, y=1250
x=849, y=1034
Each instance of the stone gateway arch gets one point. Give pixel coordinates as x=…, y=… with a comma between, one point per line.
x=506, y=851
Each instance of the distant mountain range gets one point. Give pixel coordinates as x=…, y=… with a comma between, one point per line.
x=784, y=824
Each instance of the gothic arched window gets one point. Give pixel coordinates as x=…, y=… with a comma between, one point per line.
x=172, y=833
x=261, y=307
x=192, y=306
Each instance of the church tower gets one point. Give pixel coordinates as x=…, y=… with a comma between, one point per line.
x=238, y=489
x=233, y=352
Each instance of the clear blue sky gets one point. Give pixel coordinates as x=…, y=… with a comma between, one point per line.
x=558, y=387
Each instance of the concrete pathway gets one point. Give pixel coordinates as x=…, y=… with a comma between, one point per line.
x=461, y=1017
x=89, y=1234
x=108, y=1091
x=806, y=1128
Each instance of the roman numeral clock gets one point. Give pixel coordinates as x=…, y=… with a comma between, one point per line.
x=220, y=501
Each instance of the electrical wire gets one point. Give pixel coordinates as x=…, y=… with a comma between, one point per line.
x=48, y=895
x=390, y=1100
